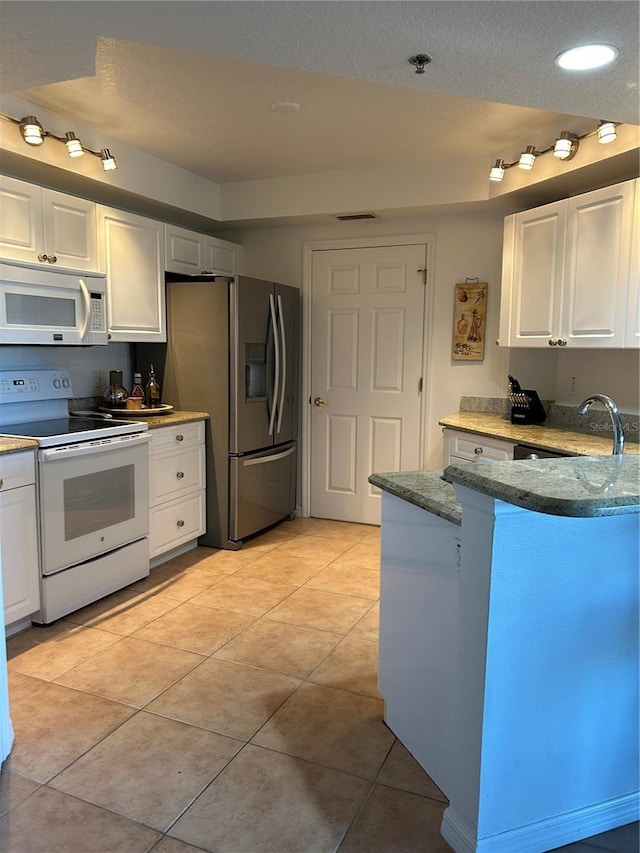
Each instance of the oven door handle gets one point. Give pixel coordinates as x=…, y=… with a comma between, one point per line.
x=90, y=448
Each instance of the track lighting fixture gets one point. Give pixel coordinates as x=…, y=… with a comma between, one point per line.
x=564, y=148
x=528, y=157
x=607, y=132
x=34, y=133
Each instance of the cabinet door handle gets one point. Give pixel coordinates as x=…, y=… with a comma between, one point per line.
x=179, y=437
x=553, y=342
x=478, y=451
x=180, y=523
x=43, y=258
x=180, y=475
x=52, y=259
x=1, y=482
x=562, y=342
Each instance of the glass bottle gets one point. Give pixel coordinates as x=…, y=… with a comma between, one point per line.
x=115, y=396
x=152, y=395
x=137, y=390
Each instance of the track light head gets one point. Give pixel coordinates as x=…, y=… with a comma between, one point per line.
x=497, y=171
x=108, y=160
x=73, y=144
x=607, y=132
x=528, y=158
x=566, y=146
x=31, y=130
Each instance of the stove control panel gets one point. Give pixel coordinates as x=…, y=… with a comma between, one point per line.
x=34, y=385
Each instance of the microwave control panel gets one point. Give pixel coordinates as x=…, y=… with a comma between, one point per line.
x=97, y=318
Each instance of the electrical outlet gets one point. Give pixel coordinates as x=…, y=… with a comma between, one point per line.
x=573, y=385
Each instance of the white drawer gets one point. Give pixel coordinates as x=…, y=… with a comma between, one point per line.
x=17, y=469
x=474, y=447
x=172, y=438
x=176, y=474
x=176, y=522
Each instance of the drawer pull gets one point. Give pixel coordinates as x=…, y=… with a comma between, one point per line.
x=180, y=523
x=179, y=437
x=180, y=475
x=478, y=451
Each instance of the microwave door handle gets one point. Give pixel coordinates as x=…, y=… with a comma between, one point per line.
x=283, y=377
x=87, y=307
x=276, y=346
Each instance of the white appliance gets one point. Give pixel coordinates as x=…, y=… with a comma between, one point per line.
x=93, y=491
x=44, y=306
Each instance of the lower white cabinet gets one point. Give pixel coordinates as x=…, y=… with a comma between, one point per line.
x=474, y=448
x=19, y=536
x=176, y=487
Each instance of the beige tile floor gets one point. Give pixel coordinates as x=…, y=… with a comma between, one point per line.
x=226, y=703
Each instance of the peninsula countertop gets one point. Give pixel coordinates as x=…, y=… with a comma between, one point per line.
x=580, y=487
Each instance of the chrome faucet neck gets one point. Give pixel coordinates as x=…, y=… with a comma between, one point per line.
x=614, y=414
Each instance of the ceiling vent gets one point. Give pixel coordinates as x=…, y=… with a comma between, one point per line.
x=349, y=217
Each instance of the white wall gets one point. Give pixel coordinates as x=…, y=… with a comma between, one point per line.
x=465, y=246
x=612, y=372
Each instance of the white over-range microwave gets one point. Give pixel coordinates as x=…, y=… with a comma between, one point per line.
x=55, y=307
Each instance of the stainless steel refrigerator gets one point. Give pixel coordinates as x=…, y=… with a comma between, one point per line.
x=233, y=351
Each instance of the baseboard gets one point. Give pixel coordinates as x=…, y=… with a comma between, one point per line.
x=545, y=834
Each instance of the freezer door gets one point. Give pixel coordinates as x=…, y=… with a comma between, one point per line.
x=288, y=310
x=252, y=367
x=262, y=490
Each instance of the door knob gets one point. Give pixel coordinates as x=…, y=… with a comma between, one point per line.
x=319, y=402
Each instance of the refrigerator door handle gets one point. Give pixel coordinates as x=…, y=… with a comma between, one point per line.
x=276, y=380
x=263, y=460
x=283, y=377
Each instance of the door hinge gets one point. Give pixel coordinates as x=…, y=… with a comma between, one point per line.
x=420, y=385
x=424, y=275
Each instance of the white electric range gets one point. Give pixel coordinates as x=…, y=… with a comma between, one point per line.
x=92, y=486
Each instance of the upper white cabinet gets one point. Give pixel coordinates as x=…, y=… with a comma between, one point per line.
x=633, y=311
x=566, y=273
x=42, y=226
x=190, y=253
x=132, y=255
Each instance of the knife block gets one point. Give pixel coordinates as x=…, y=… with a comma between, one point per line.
x=530, y=412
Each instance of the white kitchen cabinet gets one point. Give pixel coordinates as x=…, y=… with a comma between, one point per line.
x=42, y=226
x=131, y=250
x=190, y=253
x=473, y=447
x=18, y=537
x=632, y=338
x=566, y=272
x=176, y=488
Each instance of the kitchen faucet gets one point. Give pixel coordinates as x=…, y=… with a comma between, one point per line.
x=614, y=414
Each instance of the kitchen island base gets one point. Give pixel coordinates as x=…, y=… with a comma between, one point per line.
x=532, y=733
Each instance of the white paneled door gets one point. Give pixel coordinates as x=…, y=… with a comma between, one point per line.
x=367, y=329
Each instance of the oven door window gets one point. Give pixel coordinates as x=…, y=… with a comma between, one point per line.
x=92, y=503
x=99, y=500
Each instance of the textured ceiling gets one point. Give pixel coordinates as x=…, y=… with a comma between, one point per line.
x=192, y=82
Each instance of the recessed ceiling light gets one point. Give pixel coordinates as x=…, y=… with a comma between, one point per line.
x=586, y=57
x=285, y=107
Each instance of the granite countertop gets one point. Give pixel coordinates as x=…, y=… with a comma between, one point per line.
x=15, y=445
x=576, y=486
x=170, y=419
x=554, y=438
x=425, y=489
